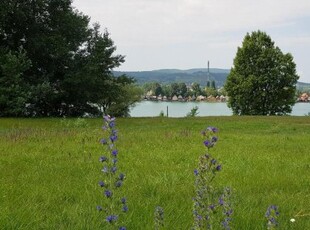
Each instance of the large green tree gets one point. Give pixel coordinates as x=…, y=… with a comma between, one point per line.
x=53, y=62
x=263, y=79
x=14, y=92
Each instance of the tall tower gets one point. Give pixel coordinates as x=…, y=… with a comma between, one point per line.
x=208, y=75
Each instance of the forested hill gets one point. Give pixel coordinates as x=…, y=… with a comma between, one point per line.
x=167, y=76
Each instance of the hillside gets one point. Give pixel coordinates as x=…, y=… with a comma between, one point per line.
x=167, y=76
x=199, y=75
x=304, y=87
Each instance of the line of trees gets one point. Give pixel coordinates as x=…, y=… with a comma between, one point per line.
x=181, y=89
x=54, y=63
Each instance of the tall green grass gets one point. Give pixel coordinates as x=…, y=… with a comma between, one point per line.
x=49, y=170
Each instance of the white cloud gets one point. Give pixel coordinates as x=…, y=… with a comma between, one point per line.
x=199, y=27
x=170, y=21
x=295, y=41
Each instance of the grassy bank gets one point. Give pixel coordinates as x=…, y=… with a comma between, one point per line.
x=49, y=170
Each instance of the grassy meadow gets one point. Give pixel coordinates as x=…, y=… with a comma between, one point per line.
x=50, y=170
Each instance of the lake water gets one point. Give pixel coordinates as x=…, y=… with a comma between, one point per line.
x=180, y=109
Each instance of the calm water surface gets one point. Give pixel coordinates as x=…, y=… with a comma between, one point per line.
x=180, y=109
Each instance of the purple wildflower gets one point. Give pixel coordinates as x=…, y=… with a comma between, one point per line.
x=208, y=143
x=113, y=138
x=225, y=223
x=159, y=217
x=101, y=183
x=112, y=180
x=107, y=118
x=114, y=132
x=272, y=208
x=195, y=212
x=103, y=141
x=218, y=168
x=196, y=172
x=113, y=169
x=103, y=158
x=212, y=207
x=115, y=152
x=112, y=124
x=212, y=129
x=214, y=139
x=114, y=160
x=221, y=201
x=118, y=183
x=121, y=176
x=229, y=212
x=105, y=169
x=111, y=218
x=99, y=208
x=213, y=161
x=271, y=214
x=108, y=193
x=125, y=208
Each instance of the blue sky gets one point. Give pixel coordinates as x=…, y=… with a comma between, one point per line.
x=184, y=34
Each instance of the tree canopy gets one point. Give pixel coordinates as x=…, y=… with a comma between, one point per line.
x=263, y=79
x=53, y=63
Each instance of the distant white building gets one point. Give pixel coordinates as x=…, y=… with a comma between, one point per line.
x=174, y=98
x=200, y=98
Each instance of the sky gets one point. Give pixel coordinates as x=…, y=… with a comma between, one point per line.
x=185, y=34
